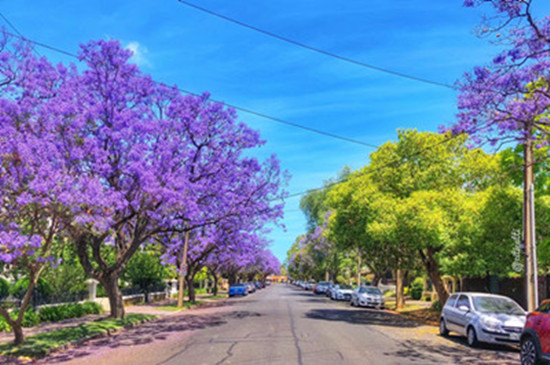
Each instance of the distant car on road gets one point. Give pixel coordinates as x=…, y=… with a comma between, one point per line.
x=535, y=339
x=341, y=292
x=251, y=287
x=367, y=296
x=482, y=317
x=321, y=287
x=238, y=289
x=309, y=285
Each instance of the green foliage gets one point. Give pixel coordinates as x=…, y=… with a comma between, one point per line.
x=4, y=288
x=40, y=345
x=389, y=294
x=69, y=276
x=65, y=311
x=144, y=270
x=42, y=286
x=417, y=286
x=436, y=306
x=32, y=318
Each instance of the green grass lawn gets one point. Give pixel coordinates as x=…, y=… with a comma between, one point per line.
x=40, y=345
x=173, y=307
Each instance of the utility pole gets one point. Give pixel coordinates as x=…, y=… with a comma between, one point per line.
x=183, y=270
x=358, y=267
x=529, y=225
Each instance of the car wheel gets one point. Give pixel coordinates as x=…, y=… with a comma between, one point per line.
x=529, y=354
x=472, y=337
x=443, y=331
x=351, y=302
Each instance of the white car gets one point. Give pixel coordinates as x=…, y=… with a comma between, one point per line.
x=483, y=317
x=367, y=296
x=341, y=292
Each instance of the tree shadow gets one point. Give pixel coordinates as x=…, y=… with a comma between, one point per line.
x=429, y=352
x=362, y=317
x=144, y=334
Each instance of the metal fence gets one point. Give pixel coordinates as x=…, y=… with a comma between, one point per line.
x=38, y=298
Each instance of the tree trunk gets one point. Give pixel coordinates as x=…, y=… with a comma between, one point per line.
x=18, y=333
x=232, y=279
x=399, y=294
x=215, y=287
x=432, y=268
x=376, y=279
x=110, y=283
x=191, y=287
x=327, y=277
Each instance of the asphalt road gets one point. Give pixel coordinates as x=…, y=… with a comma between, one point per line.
x=284, y=325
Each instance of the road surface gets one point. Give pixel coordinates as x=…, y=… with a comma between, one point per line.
x=283, y=325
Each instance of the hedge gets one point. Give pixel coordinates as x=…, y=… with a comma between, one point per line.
x=54, y=313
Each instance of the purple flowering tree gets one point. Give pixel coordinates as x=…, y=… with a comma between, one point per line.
x=32, y=213
x=128, y=159
x=507, y=101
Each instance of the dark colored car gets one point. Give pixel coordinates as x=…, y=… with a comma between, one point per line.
x=238, y=289
x=259, y=285
x=535, y=338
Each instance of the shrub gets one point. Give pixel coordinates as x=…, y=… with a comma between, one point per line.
x=4, y=288
x=42, y=286
x=417, y=287
x=389, y=293
x=65, y=311
x=426, y=298
x=436, y=306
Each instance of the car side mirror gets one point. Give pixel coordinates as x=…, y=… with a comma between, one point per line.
x=464, y=308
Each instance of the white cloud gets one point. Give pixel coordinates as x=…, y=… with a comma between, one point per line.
x=140, y=54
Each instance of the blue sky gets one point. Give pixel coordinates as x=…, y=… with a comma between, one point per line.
x=179, y=45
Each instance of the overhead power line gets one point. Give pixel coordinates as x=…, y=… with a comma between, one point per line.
x=236, y=107
x=12, y=26
x=318, y=50
x=58, y=50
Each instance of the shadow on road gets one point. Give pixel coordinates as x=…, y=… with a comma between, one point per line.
x=429, y=352
x=144, y=334
x=362, y=317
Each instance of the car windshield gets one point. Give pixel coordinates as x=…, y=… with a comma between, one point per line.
x=369, y=290
x=323, y=283
x=497, y=305
x=235, y=285
x=345, y=287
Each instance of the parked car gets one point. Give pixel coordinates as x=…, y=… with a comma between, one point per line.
x=309, y=285
x=321, y=287
x=482, y=317
x=238, y=289
x=535, y=339
x=259, y=285
x=367, y=296
x=330, y=288
x=341, y=292
x=251, y=287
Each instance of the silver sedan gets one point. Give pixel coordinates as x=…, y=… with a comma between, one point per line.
x=367, y=296
x=483, y=318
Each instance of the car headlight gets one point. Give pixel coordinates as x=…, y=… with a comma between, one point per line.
x=490, y=323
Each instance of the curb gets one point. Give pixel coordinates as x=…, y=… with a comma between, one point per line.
x=420, y=320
